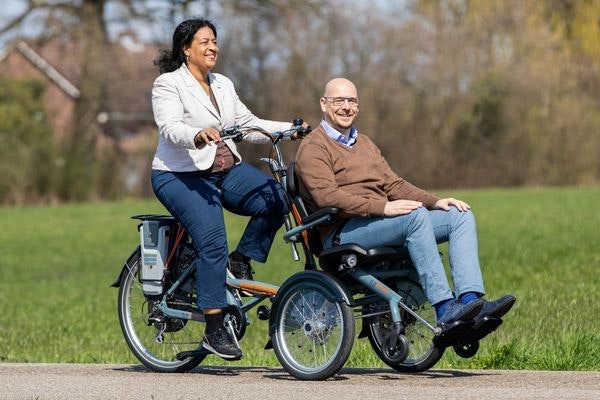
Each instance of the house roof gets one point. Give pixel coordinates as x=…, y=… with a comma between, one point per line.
x=130, y=73
x=48, y=70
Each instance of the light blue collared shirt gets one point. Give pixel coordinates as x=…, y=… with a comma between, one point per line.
x=339, y=137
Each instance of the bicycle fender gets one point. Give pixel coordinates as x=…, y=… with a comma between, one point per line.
x=320, y=278
x=117, y=281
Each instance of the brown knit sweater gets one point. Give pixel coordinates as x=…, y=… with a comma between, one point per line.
x=357, y=180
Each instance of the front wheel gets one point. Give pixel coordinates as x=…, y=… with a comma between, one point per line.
x=155, y=339
x=314, y=331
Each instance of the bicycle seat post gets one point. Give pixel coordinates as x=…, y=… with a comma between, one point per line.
x=288, y=226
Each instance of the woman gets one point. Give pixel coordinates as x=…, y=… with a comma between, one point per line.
x=195, y=174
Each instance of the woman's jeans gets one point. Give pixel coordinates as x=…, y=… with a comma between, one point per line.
x=196, y=200
x=421, y=231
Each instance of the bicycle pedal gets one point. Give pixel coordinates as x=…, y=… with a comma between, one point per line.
x=452, y=333
x=484, y=328
x=263, y=312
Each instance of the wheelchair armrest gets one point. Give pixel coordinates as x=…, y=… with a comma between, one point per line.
x=314, y=219
x=316, y=215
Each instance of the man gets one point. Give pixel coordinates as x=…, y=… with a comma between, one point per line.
x=338, y=167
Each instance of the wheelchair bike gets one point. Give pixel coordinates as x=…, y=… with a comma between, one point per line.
x=312, y=318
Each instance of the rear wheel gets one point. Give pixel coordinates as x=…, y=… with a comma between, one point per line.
x=422, y=353
x=154, y=338
x=314, y=331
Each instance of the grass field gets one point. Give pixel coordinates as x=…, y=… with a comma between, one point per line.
x=541, y=244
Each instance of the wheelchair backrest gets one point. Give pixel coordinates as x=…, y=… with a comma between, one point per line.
x=311, y=237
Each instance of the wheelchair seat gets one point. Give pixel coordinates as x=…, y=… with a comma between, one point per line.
x=332, y=258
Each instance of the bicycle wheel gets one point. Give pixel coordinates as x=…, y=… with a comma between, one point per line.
x=422, y=353
x=152, y=337
x=314, y=331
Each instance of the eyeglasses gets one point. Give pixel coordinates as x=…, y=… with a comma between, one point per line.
x=339, y=101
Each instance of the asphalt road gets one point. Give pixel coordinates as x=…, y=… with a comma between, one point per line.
x=105, y=381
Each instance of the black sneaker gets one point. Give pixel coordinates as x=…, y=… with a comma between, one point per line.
x=222, y=344
x=240, y=269
x=496, y=308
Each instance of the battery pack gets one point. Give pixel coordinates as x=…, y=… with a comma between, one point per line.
x=154, y=239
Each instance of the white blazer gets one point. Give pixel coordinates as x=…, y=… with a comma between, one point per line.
x=182, y=109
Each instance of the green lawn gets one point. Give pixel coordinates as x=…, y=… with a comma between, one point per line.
x=541, y=244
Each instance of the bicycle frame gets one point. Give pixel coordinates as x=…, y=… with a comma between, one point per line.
x=259, y=290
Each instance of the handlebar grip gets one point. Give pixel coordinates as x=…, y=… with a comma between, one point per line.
x=234, y=133
x=230, y=131
x=300, y=130
x=304, y=131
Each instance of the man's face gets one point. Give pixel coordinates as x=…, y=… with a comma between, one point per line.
x=340, y=104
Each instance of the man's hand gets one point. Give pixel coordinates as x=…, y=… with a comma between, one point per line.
x=400, y=207
x=444, y=204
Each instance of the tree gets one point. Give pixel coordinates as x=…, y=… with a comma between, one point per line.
x=27, y=155
x=455, y=92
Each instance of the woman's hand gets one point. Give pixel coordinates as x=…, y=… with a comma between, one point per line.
x=206, y=136
x=444, y=204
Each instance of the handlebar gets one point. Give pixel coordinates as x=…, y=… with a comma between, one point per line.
x=237, y=133
x=275, y=159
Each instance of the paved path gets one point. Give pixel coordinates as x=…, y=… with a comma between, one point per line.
x=105, y=381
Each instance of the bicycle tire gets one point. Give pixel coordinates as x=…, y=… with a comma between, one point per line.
x=143, y=337
x=314, y=331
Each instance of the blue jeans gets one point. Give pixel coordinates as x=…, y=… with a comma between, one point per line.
x=420, y=231
x=196, y=200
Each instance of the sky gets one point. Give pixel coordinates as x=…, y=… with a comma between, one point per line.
x=8, y=10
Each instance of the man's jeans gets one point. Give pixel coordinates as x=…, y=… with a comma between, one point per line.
x=421, y=231
x=197, y=199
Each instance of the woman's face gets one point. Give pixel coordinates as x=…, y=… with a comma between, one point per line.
x=203, y=51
